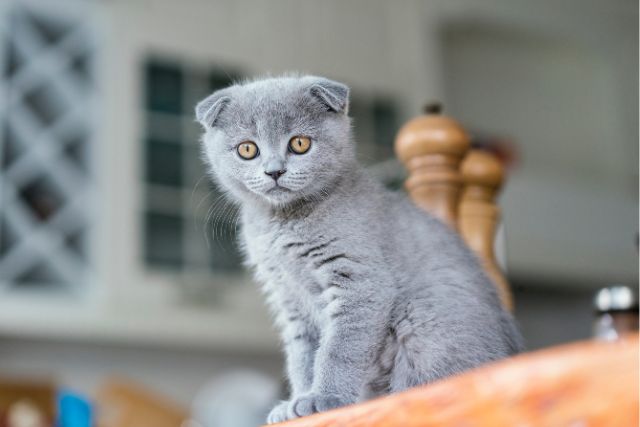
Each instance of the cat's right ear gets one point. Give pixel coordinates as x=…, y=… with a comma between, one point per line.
x=334, y=95
x=208, y=110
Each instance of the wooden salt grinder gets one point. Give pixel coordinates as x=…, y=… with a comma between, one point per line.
x=479, y=214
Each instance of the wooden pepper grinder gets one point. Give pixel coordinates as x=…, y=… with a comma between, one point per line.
x=431, y=147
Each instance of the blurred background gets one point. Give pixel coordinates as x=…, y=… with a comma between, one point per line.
x=117, y=255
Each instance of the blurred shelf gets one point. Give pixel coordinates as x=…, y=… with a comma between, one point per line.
x=181, y=327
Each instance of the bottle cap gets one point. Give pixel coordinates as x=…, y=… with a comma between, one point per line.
x=616, y=298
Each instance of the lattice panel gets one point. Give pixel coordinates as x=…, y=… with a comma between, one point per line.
x=46, y=99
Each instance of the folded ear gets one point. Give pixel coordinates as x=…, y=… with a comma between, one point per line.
x=332, y=94
x=208, y=110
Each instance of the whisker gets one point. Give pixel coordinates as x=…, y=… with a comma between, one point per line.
x=213, y=212
x=195, y=187
x=196, y=210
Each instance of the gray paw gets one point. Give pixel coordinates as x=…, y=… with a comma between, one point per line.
x=311, y=403
x=278, y=413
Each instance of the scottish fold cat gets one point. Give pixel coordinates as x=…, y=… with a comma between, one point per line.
x=371, y=295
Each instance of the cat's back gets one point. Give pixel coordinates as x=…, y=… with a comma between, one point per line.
x=439, y=277
x=417, y=245
x=390, y=221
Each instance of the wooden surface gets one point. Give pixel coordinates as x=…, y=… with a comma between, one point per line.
x=591, y=384
x=479, y=213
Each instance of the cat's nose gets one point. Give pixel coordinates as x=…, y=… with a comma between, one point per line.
x=275, y=174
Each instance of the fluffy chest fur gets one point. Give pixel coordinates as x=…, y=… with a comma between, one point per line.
x=287, y=259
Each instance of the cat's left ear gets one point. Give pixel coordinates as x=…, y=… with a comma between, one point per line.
x=208, y=110
x=332, y=94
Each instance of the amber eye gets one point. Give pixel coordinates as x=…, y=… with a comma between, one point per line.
x=247, y=150
x=300, y=144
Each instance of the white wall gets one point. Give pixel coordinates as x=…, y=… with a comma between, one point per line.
x=555, y=82
x=554, y=76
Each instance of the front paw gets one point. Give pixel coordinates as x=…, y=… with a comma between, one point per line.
x=279, y=413
x=314, y=402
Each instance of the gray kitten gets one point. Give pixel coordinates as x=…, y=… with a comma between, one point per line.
x=371, y=295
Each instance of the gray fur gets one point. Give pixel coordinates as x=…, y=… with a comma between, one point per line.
x=370, y=294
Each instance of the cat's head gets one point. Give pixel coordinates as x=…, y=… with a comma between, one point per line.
x=278, y=140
